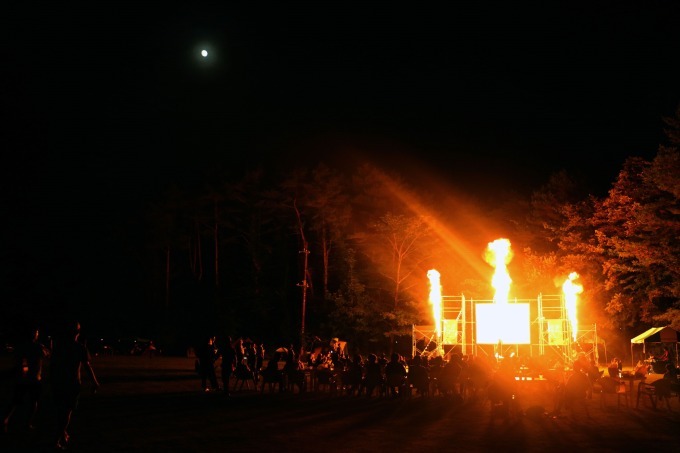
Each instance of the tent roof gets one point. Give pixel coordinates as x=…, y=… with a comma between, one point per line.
x=657, y=335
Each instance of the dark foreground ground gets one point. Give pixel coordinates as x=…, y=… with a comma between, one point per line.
x=155, y=404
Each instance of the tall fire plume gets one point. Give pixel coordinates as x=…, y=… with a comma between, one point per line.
x=571, y=291
x=498, y=254
x=436, y=299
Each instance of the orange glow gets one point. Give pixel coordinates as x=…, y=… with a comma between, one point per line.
x=457, y=243
x=499, y=255
x=501, y=321
x=571, y=291
x=436, y=300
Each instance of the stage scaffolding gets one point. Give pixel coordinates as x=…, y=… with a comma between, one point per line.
x=551, y=332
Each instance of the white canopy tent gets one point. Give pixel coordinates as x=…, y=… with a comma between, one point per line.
x=664, y=334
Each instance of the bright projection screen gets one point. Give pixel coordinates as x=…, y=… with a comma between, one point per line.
x=508, y=323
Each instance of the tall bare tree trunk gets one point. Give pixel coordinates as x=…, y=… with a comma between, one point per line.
x=217, y=248
x=167, y=277
x=199, y=253
x=326, y=254
x=196, y=256
x=304, y=284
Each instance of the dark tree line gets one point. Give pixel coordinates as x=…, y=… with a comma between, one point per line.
x=230, y=254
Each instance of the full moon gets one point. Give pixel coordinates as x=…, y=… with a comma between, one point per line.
x=204, y=53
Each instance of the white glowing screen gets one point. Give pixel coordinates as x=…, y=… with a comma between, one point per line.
x=508, y=323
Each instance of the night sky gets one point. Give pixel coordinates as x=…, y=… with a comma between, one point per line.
x=104, y=104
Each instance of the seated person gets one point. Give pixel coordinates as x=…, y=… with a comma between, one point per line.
x=272, y=375
x=594, y=372
x=581, y=363
x=614, y=367
x=294, y=373
x=672, y=374
x=641, y=369
x=576, y=390
x=663, y=357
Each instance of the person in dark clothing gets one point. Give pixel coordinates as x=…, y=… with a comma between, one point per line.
x=29, y=356
x=354, y=375
x=207, y=354
x=228, y=364
x=272, y=375
x=259, y=362
x=69, y=357
x=251, y=357
x=395, y=375
x=373, y=376
x=418, y=376
x=671, y=374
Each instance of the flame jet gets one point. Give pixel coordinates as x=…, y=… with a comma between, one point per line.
x=436, y=300
x=571, y=291
x=499, y=255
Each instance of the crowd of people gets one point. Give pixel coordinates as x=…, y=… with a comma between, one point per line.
x=459, y=376
x=226, y=365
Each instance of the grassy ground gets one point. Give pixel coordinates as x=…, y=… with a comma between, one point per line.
x=156, y=404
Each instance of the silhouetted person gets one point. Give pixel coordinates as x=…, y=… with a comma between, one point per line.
x=354, y=374
x=251, y=357
x=228, y=364
x=272, y=375
x=294, y=374
x=28, y=361
x=501, y=391
x=151, y=349
x=664, y=356
x=671, y=372
x=259, y=362
x=395, y=375
x=68, y=358
x=206, y=353
x=671, y=375
x=449, y=377
x=373, y=375
x=418, y=376
x=575, y=392
x=242, y=371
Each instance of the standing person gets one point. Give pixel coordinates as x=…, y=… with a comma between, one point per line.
x=151, y=350
x=395, y=375
x=373, y=377
x=418, y=376
x=228, y=364
x=69, y=356
x=240, y=351
x=206, y=352
x=354, y=375
x=259, y=363
x=251, y=357
x=29, y=356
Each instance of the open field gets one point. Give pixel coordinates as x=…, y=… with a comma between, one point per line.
x=156, y=404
